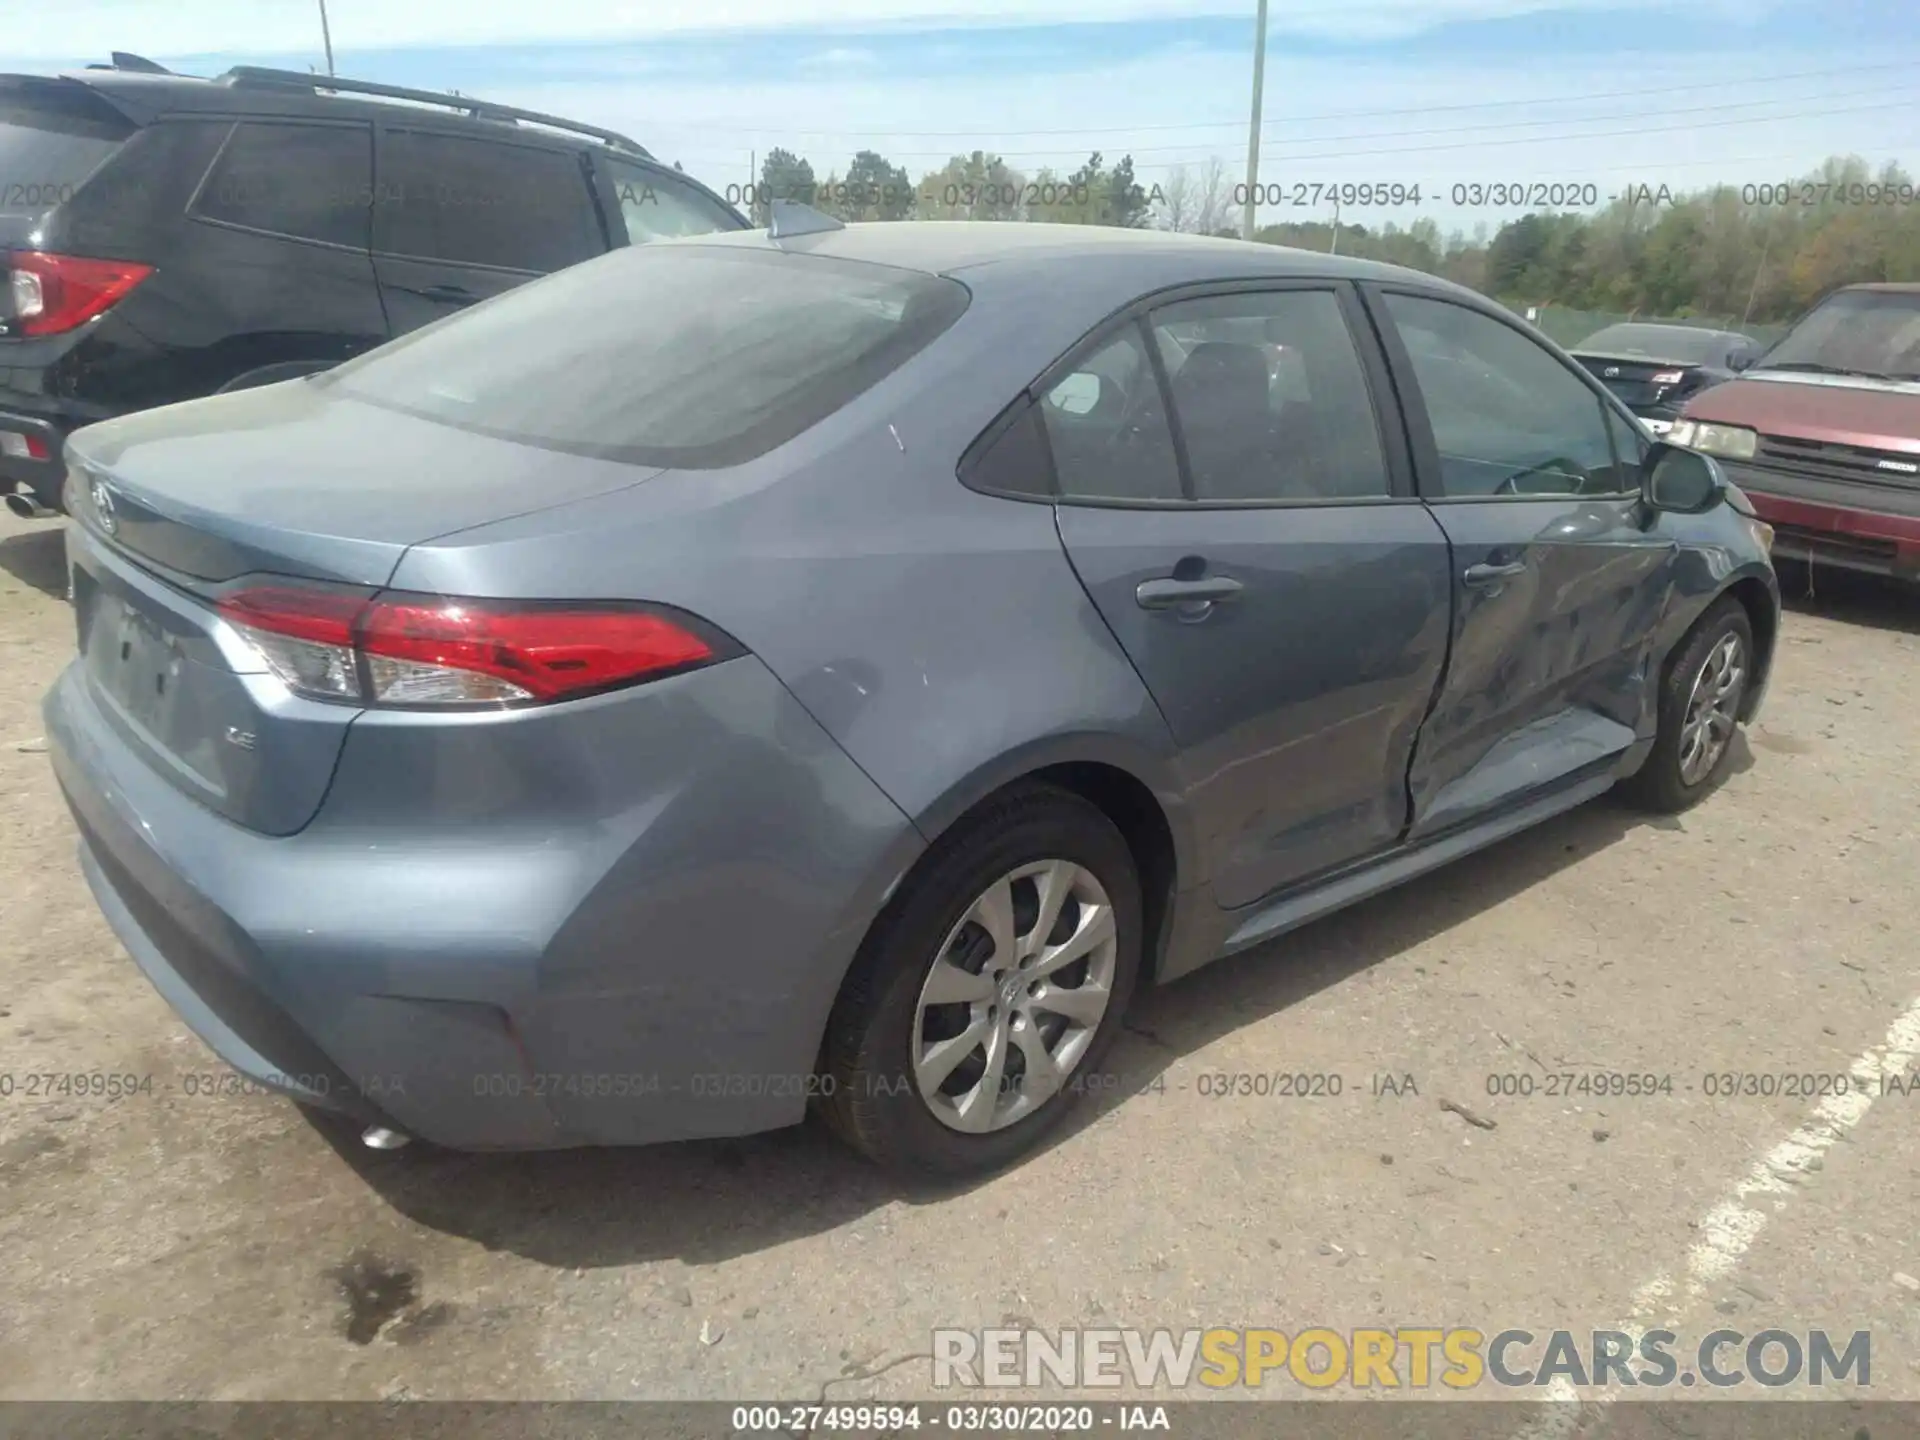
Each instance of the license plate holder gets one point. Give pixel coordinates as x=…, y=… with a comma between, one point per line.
x=137, y=663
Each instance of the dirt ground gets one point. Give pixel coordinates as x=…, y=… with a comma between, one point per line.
x=170, y=1245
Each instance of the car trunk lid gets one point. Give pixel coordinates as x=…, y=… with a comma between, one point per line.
x=298, y=479
x=178, y=506
x=1632, y=377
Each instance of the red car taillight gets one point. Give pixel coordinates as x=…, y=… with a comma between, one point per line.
x=1667, y=377
x=54, y=293
x=430, y=650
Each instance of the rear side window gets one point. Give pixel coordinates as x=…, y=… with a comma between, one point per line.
x=657, y=206
x=1107, y=426
x=1012, y=457
x=1271, y=399
x=684, y=355
x=478, y=202
x=310, y=182
x=53, y=135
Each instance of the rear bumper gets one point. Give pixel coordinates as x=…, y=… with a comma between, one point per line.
x=41, y=478
x=1854, y=525
x=430, y=956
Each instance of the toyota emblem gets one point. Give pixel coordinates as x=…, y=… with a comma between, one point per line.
x=103, y=506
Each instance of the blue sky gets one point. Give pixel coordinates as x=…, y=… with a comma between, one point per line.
x=1428, y=91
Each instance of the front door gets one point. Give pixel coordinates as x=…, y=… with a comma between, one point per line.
x=1255, y=548
x=1560, y=577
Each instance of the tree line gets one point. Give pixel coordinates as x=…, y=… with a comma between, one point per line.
x=1761, y=252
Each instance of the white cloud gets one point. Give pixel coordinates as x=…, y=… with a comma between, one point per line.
x=839, y=60
x=196, y=27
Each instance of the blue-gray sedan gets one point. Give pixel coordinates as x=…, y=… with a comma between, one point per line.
x=833, y=670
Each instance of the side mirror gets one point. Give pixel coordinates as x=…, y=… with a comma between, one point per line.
x=1739, y=360
x=1680, y=481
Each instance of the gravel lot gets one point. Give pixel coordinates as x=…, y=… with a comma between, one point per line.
x=173, y=1245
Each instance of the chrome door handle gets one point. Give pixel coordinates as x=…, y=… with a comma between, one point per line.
x=1168, y=593
x=1486, y=577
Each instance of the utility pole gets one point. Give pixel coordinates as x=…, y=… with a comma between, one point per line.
x=1333, y=248
x=326, y=35
x=1253, y=130
x=1766, y=239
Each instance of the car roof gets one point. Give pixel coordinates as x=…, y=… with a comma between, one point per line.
x=946, y=247
x=251, y=91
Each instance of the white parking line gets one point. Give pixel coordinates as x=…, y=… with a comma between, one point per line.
x=1728, y=1230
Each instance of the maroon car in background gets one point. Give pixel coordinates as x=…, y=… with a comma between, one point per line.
x=1823, y=432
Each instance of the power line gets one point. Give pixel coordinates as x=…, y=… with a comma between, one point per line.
x=1602, y=134
x=1641, y=128
x=1504, y=125
x=1746, y=83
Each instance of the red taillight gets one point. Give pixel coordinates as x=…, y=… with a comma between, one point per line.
x=1667, y=377
x=429, y=650
x=54, y=293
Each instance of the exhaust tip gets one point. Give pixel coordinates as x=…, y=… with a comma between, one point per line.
x=379, y=1137
x=23, y=504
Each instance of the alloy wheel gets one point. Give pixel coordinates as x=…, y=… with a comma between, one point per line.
x=1015, y=996
x=1712, y=706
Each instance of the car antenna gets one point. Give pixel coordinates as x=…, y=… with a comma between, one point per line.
x=790, y=218
x=125, y=60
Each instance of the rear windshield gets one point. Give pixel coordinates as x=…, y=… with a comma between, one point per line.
x=668, y=354
x=1656, y=342
x=51, y=140
x=1861, y=332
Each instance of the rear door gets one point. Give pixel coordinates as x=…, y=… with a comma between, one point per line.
x=272, y=265
x=1559, y=581
x=1246, y=527
x=459, y=218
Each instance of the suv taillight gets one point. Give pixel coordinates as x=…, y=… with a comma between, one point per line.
x=432, y=651
x=55, y=293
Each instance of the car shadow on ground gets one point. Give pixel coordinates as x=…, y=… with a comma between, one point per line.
x=1873, y=601
x=37, y=557
x=707, y=1201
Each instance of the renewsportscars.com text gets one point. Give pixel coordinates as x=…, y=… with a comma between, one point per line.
x=1416, y=1358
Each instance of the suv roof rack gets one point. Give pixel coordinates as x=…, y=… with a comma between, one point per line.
x=127, y=60
x=264, y=77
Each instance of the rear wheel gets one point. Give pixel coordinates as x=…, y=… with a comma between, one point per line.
x=987, y=994
x=1700, y=702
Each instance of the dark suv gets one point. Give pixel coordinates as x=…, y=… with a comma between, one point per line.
x=167, y=237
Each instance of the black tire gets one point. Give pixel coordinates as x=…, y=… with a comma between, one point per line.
x=872, y=1100
x=1660, y=786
